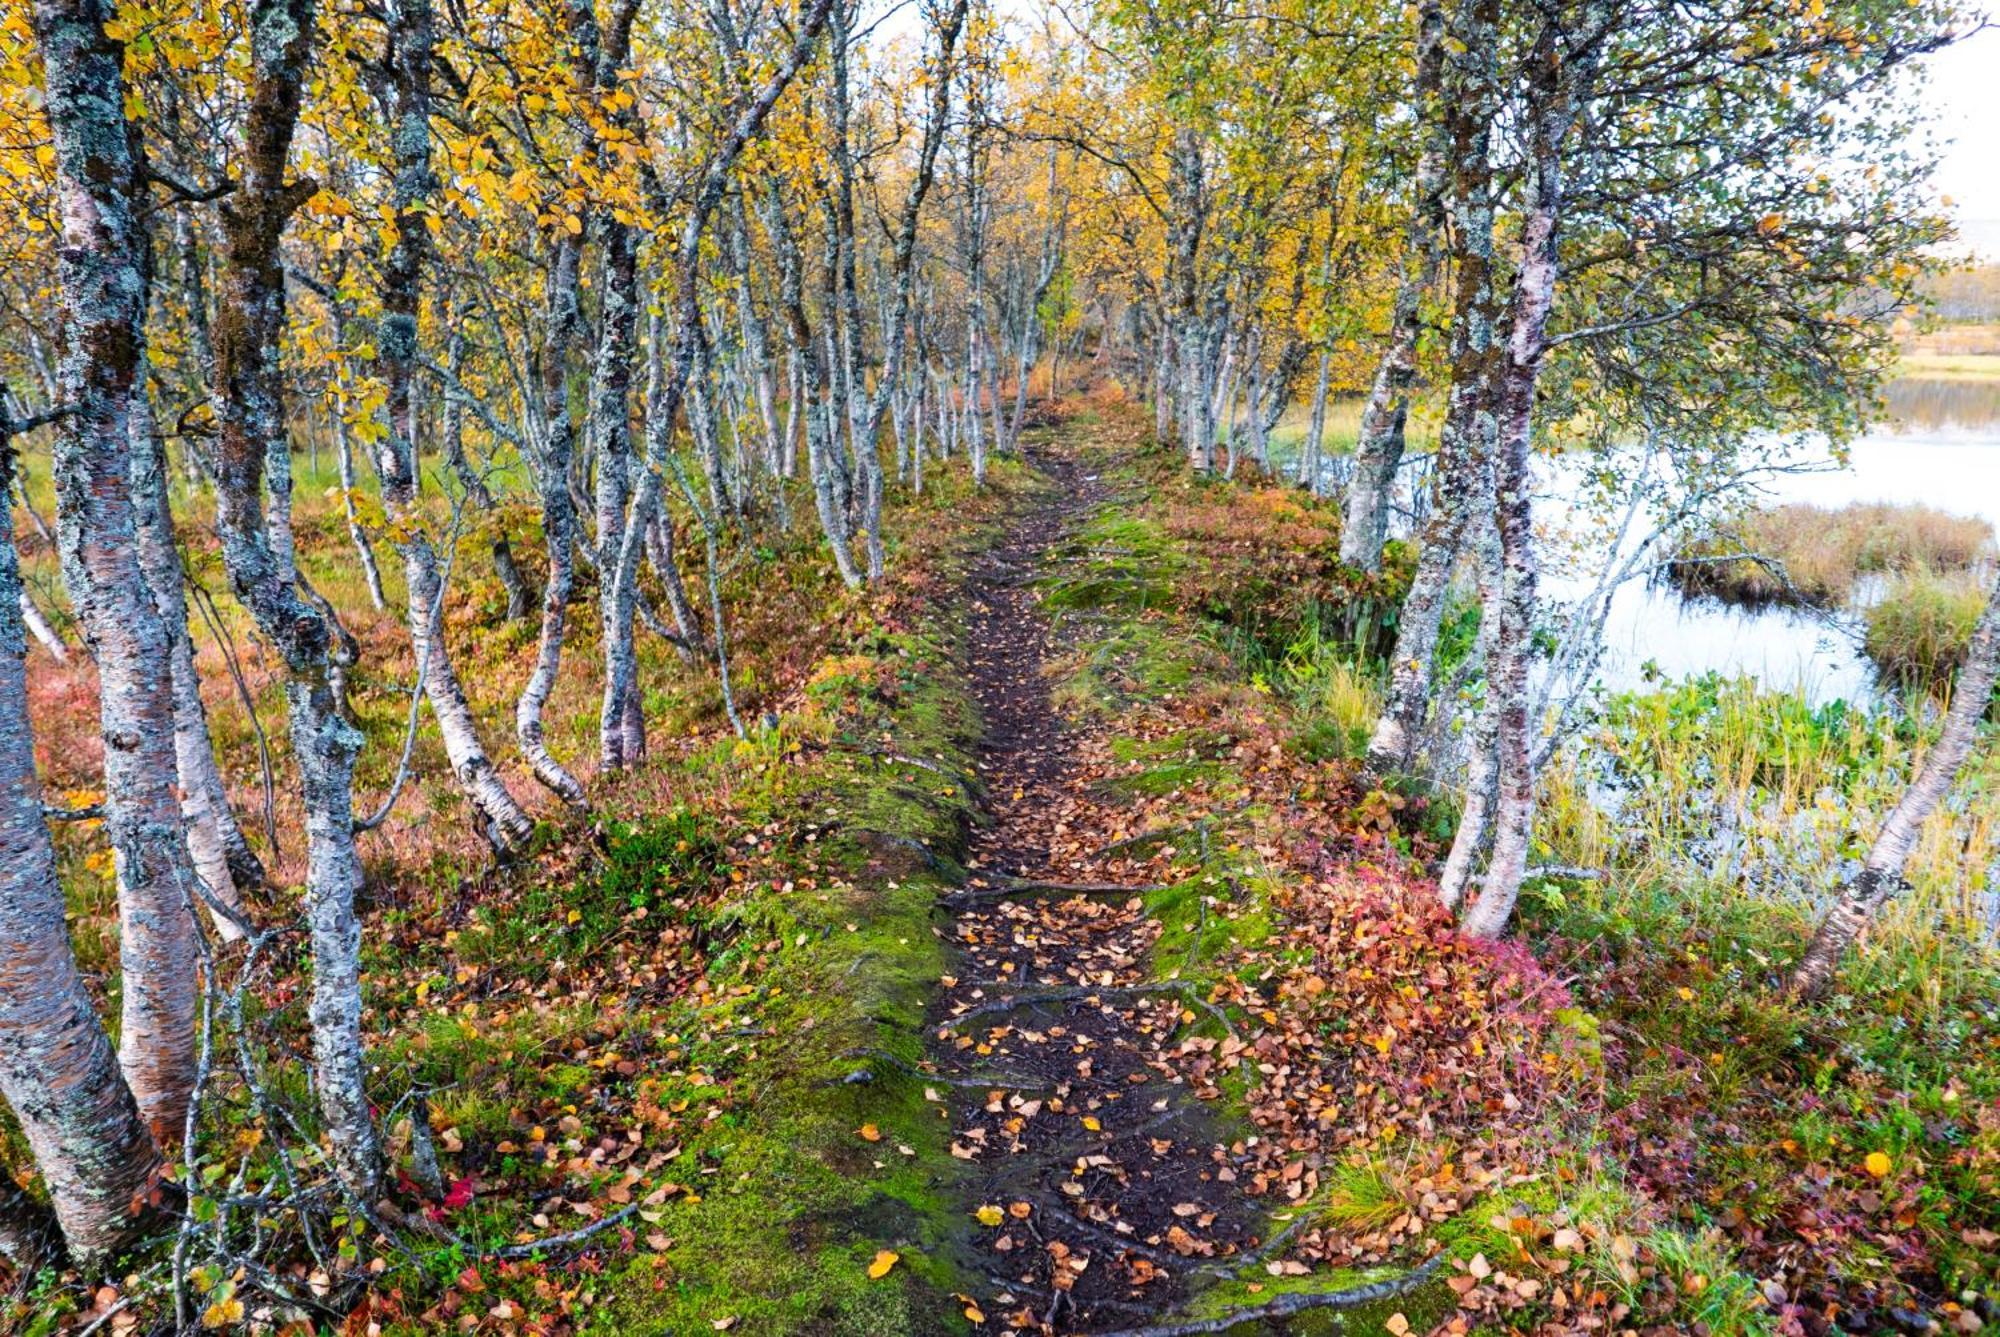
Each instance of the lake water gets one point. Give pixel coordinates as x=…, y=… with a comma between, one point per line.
x=1941, y=449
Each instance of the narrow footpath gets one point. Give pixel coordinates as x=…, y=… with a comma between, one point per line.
x=1101, y=1187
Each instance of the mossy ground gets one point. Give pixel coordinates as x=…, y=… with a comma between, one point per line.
x=752, y=924
x=697, y=978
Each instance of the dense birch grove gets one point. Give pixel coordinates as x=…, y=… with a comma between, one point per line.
x=586, y=304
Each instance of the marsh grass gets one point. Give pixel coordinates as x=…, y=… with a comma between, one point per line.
x=1919, y=630
x=1343, y=429
x=1821, y=557
x=1718, y=782
x=1950, y=366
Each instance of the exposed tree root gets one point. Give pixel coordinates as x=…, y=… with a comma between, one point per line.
x=1287, y=1306
x=1013, y=887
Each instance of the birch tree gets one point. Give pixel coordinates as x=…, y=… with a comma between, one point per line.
x=1668, y=280
x=57, y=1069
x=671, y=384
x=1379, y=450
x=409, y=57
x=1881, y=875
x=104, y=283
x=254, y=431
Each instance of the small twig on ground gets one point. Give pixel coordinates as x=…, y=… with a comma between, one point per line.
x=1030, y=887
x=931, y=857
x=563, y=1241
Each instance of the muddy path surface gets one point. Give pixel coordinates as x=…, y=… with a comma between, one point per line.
x=1100, y=1187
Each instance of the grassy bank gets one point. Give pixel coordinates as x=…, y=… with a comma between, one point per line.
x=1919, y=630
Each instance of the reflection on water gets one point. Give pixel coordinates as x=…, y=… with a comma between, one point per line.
x=1653, y=631
x=1940, y=447
x=1925, y=404
x=1944, y=451
x=1959, y=473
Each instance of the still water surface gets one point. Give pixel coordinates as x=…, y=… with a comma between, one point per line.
x=1941, y=448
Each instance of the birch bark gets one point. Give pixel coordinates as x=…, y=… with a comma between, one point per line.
x=553, y=459
x=104, y=281
x=1881, y=876
x=621, y=730
x=1466, y=442
x=412, y=41
x=1379, y=450
x=251, y=417
x=38, y=626
x=204, y=800
x=57, y=1069
x=1559, y=76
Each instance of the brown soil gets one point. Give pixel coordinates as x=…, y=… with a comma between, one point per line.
x=1111, y=1187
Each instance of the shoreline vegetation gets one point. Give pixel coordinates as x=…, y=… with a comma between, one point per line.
x=1915, y=575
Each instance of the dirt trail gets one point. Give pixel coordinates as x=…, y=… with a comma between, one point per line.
x=1110, y=1188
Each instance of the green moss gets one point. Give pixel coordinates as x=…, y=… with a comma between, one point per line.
x=1117, y=562
x=1423, y=1308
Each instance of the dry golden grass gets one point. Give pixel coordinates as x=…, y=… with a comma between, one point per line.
x=1966, y=339
x=1918, y=631
x=1819, y=556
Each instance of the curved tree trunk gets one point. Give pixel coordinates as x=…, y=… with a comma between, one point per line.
x=660, y=552
x=250, y=400
x=554, y=457
x=57, y=1070
x=506, y=824
x=39, y=627
x=371, y=570
x=810, y=386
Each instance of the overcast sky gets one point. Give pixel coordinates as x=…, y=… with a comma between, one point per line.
x=1965, y=89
